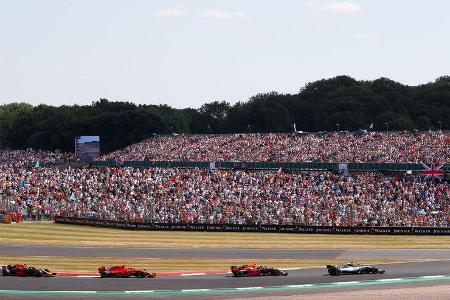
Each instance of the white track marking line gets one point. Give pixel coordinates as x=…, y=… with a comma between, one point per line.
x=192, y=274
x=299, y=286
x=391, y=279
x=196, y=290
x=250, y=288
x=144, y=291
x=346, y=282
x=75, y=292
x=87, y=276
x=433, y=276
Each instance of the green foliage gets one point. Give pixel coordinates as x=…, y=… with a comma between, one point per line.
x=318, y=106
x=8, y=114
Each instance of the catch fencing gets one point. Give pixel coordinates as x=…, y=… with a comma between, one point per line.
x=255, y=228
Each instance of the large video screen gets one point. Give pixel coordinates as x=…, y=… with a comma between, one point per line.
x=87, y=148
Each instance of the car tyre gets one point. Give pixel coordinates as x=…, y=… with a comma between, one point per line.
x=140, y=275
x=37, y=273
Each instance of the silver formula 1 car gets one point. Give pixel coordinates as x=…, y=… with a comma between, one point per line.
x=352, y=268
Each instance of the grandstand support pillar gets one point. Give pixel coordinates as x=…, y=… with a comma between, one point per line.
x=352, y=212
x=152, y=209
x=11, y=204
x=153, y=212
x=3, y=203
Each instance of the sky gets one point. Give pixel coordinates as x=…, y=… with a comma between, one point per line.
x=187, y=53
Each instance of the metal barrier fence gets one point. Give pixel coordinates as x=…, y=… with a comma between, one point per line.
x=256, y=228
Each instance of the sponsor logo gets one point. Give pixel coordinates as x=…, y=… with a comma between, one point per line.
x=121, y=225
x=269, y=228
x=145, y=226
x=162, y=226
x=401, y=231
x=324, y=229
x=381, y=230
x=250, y=228
x=197, y=227
x=214, y=227
x=441, y=231
x=232, y=228
x=179, y=227
x=287, y=229
x=423, y=231
x=343, y=230
x=305, y=229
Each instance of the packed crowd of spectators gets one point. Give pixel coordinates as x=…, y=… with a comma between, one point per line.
x=225, y=196
x=33, y=185
x=31, y=157
x=344, y=147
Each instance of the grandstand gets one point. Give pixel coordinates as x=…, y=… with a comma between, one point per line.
x=337, y=147
x=239, y=196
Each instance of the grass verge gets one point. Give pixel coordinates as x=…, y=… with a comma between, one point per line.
x=48, y=233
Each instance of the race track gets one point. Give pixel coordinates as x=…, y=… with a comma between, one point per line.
x=221, y=285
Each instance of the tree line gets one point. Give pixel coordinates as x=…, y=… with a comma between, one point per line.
x=318, y=106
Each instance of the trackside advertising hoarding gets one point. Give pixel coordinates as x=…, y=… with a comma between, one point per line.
x=256, y=228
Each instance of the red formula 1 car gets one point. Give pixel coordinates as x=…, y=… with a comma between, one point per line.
x=254, y=270
x=23, y=270
x=123, y=272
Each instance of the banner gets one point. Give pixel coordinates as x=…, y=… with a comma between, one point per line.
x=256, y=228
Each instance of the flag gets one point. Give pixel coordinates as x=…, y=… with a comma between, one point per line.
x=432, y=172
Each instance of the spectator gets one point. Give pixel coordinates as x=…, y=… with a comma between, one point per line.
x=394, y=147
x=227, y=196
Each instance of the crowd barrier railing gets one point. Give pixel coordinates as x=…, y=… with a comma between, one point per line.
x=395, y=167
x=255, y=228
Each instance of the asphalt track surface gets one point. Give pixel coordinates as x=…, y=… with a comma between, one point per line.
x=205, y=253
x=222, y=286
x=316, y=278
